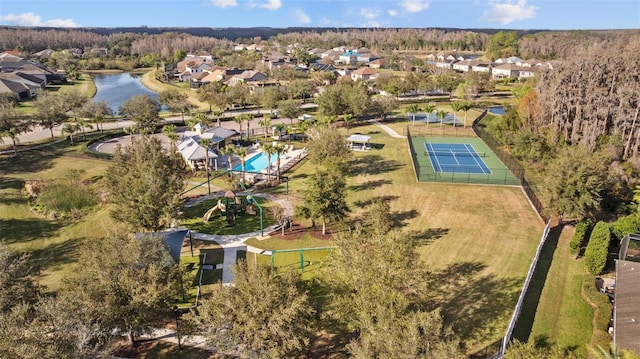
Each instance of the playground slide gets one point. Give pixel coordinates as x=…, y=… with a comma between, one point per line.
x=208, y=214
x=220, y=206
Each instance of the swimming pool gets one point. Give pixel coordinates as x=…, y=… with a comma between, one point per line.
x=256, y=163
x=498, y=110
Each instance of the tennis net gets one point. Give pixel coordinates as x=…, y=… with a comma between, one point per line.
x=456, y=154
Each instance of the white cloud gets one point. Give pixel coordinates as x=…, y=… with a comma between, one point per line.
x=509, y=11
x=414, y=5
x=272, y=4
x=301, y=16
x=224, y=3
x=369, y=14
x=392, y=12
x=31, y=19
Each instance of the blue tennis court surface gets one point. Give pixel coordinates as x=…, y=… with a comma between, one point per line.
x=455, y=157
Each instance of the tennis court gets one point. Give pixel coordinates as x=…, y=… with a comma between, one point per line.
x=458, y=160
x=455, y=157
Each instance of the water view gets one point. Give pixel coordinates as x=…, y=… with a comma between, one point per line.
x=116, y=89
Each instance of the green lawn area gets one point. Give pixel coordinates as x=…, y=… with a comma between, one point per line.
x=204, y=253
x=217, y=224
x=561, y=317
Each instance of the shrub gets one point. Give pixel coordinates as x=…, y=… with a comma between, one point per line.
x=626, y=225
x=583, y=229
x=66, y=199
x=595, y=256
x=602, y=315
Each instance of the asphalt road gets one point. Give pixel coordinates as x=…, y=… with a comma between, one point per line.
x=39, y=133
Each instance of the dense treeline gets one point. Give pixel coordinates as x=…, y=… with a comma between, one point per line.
x=595, y=95
x=568, y=44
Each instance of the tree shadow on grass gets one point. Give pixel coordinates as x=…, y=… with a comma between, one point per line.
x=524, y=324
x=369, y=185
x=475, y=304
x=55, y=255
x=370, y=201
x=28, y=161
x=428, y=236
x=399, y=218
x=373, y=165
x=14, y=230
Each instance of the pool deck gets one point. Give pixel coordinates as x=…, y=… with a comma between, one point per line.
x=287, y=160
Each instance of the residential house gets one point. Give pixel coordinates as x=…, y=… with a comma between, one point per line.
x=481, y=66
x=377, y=64
x=528, y=72
x=505, y=70
x=44, y=54
x=364, y=73
x=247, y=76
x=509, y=60
x=463, y=66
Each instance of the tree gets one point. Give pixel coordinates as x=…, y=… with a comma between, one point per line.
x=96, y=111
x=242, y=152
x=17, y=281
x=74, y=101
x=50, y=111
x=175, y=101
x=269, y=149
x=82, y=125
x=411, y=111
x=265, y=123
x=238, y=94
x=441, y=115
x=347, y=119
x=248, y=118
x=127, y=282
x=142, y=110
x=300, y=89
x=170, y=132
x=325, y=197
x=12, y=124
x=289, y=109
x=329, y=148
x=270, y=98
x=214, y=94
x=465, y=106
x=228, y=151
x=384, y=105
x=528, y=350
x=379, y=294
x=502, y=44
x=278, y=150
x=265, y=314
x=144, y=184
x=206, y=143
x=70, y=128
x=574, y=187
x=239, y=120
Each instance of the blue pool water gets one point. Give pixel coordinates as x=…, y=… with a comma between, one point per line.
x=498, y=110
x=256, y=163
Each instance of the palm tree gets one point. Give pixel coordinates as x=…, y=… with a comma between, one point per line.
x=71, y=128
x=348, y=118
x=239, y=120
x=228, y=151
x=241, y=153
x=466, y=106
x=217, y=114
x=248, y=118
x=266, y=123
x=456, y=107
x=278, y=150
x=441, y=115
x=82, y=124
x=131, y=130
x=268, y=148
x=602, y=353
x=13, y=134
x=411, y=110
x=429, y=109
x=170, y=132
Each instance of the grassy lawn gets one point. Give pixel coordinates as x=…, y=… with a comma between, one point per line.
x=52, y=243
x=561, y=317
x=217, y=224
x=154, y=85
x=204, y=253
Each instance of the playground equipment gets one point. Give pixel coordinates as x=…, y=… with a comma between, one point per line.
x=219, y=206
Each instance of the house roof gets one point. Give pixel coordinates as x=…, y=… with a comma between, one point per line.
x=626, y=326
x=192, y=151
x=365, y=71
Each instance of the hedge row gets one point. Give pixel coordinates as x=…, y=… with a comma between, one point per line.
x=583, y=230
x=602, y=315
x=626, y=225
x=595, y=256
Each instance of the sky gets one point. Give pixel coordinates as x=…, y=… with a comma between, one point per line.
x=469, y=14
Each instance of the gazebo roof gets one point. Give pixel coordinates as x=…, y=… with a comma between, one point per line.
x=358, y=138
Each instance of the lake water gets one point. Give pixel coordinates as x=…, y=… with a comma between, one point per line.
x=116, y=89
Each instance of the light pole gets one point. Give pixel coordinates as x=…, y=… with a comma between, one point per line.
x=175, y=312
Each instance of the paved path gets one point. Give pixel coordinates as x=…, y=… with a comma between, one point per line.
x=386, y=129
x=232, y=243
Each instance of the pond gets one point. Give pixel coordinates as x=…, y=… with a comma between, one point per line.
x=116, y=89
x=498, y=110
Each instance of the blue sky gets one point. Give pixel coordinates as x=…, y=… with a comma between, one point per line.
x=497, y=14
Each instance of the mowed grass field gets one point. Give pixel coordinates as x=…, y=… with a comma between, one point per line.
x=478, y=241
